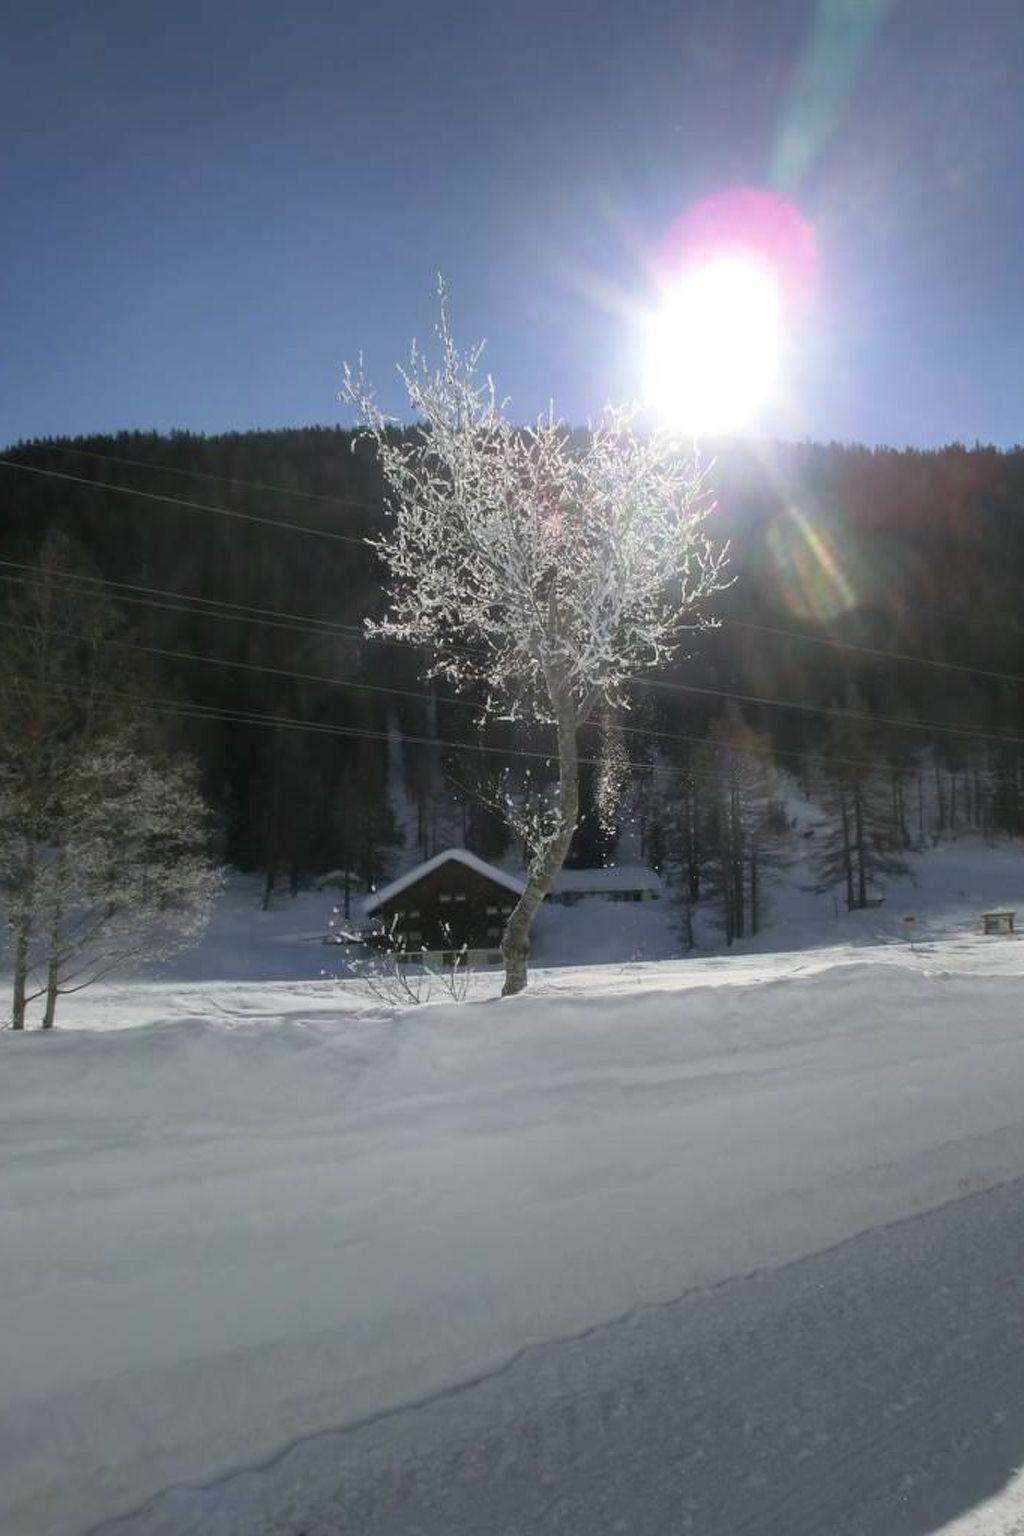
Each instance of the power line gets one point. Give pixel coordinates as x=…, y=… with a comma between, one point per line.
x=282, y=490
x=201, y=474
x=432, y=698
x=244, y=610
x=314, y=625
x=871, y=650
x=820, y=640
x=229, y=715
x=352, y=633
x=833, y=713
x=770, y=752
x=253, y=666
x=192, y=506
x=961, y=732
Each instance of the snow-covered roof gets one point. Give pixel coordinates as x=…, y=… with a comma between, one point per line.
x=461, y=856
x=335, y=877
x=617, y=877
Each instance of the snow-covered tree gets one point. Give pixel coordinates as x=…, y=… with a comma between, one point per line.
x=102, y=838
x=54, y=671
x=546, y=565
x=125, y=877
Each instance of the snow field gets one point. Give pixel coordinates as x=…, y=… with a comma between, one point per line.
x=270, y=1210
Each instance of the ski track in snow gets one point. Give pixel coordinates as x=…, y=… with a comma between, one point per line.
x=848, y=1393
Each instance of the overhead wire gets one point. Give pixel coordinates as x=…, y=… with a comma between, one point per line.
x=872, y=650
x=769, y=752
x=878, y=652
x=377, y=506
x=308, y=623
x=202, y=474
x=213, y=607
x=932, y=726
x=192, y=506
x=314, y=625
x=233, y=716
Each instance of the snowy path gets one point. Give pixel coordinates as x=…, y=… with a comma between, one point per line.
x=874, y=1390
x=261, y=1216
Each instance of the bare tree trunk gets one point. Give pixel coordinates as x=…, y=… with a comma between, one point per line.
x=53, y=960
x=755, y=889
x=20, y=973
x=515, y=945
x=736, y=860
x=691, y=821
x=858, y=824
x=273, y=848
x=52, y=992
x=847, y=857
x=20, y=918
x=899, y=809
x=693, y=851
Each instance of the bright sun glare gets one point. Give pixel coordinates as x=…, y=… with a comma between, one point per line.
x=713, y=346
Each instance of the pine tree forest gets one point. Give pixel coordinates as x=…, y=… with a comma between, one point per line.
x=868, y=656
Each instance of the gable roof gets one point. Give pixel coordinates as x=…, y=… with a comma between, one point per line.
x=461, y=856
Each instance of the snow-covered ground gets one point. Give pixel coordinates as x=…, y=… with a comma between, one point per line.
x=945, y=892
x=873, y=1389
x=272, y=1208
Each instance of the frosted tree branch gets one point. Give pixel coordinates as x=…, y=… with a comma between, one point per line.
x=547, y=566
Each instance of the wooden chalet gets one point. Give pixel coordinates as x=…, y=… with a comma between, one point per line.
x=453, y=900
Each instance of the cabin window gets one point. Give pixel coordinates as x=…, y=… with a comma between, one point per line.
x=506, y=911
x=445, y=898
x=413, y=914
x=460, y=895
x=494, y=933
x=492, y=911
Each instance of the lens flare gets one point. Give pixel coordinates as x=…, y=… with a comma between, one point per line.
x=813, y=573
x=713, y=346
x=734, y=274
x=838, y=45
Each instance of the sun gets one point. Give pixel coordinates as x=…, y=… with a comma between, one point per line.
x=713, y=346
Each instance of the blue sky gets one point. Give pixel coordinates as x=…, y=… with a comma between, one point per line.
x=206, y=207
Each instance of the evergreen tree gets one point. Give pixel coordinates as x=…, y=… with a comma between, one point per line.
x=743, y=828
x=862, y=845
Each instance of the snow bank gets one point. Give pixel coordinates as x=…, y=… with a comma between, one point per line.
x=267, y=1210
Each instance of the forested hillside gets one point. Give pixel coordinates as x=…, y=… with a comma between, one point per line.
x=320, y=750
